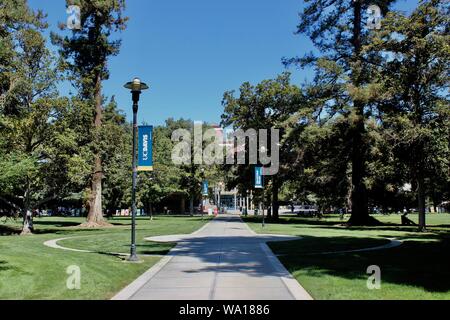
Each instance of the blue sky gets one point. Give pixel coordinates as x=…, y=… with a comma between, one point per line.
x=191, y=51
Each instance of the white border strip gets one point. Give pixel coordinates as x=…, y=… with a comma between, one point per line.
x=297, y=291
x=54, y=244
x=132, y=288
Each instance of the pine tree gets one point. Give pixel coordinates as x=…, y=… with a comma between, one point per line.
x=415, y=79
x=344, y=73
x=85, y=55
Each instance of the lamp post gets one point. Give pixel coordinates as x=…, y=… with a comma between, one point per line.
x=263, y=151
x=136, y=87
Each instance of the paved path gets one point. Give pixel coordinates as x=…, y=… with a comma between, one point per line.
x=224, y=260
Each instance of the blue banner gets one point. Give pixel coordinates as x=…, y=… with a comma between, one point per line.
x=205, y=188
x=145, y=160
x=259, y=180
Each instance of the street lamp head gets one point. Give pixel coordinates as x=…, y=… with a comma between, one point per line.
x=136, y=85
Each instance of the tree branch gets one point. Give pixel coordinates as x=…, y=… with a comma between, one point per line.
x=39, y=203
x=10, y=203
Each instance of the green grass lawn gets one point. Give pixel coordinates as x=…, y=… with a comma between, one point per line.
x=419, y=269
x=30, y=270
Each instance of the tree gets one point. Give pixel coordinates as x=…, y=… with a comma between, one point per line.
x=32, y=117
x=166, y=178
x=116, y=147
x=320, y=174
x=268, y=105
x=415, y=108
x=344, y=72
x=84, y=55
x=15, y=17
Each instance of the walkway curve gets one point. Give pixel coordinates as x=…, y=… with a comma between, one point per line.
x=54, y=245
x=180, y=238
x=392, y=244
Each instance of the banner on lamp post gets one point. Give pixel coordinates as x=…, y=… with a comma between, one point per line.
x=205, y=188
x=145, y=161
x=259, y=178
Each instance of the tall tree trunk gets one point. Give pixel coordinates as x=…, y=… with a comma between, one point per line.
x=266, y=204
x=191, y=206
x=183, y=206
x=275, y=204
x=360, y=212
x=421, y=200
x=246, y=204
x=27, y=225
x=95, y=216
x=435, y=200
x=150, y=210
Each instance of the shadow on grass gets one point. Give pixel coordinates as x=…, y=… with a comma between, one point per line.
x=65, y=232
x=72, y=224
x=13, y=231
x=154, y=248
x=339, y=225
x=423, y=263
x=4, y=266
x=292, y=220
x=310, y=245
x=8, y=230
x=56, y=224
x=126, y=221
x=415, y=263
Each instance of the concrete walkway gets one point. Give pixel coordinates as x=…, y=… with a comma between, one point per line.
x=224, y=260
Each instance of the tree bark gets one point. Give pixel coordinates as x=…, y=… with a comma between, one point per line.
x=435, y=200
x=275, y=203
x=95, y=215
x=360, y=212
x=191, y=206
x=183, y=206
x=27, y=223
x=266, y=204
x=421, y=201
x=150, y=210
x=27, y=226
